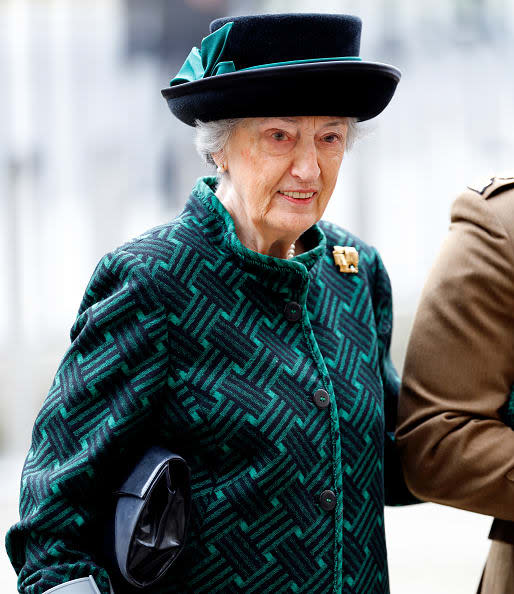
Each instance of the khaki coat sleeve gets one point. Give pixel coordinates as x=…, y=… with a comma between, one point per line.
x=459, y=370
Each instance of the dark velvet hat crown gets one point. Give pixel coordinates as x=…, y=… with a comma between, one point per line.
x=280, y=65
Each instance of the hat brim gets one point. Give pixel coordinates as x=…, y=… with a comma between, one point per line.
x=354, y=89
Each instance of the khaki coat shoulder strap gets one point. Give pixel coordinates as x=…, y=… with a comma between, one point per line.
x=489, y=186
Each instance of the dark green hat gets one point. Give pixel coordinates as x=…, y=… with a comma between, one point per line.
x=280, y=65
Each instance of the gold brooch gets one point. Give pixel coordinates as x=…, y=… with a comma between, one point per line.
x=347, y=258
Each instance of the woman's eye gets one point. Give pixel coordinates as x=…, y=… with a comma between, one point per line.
x=331, y=138
x=279, y=136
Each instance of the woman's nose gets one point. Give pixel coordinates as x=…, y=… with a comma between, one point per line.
x=305, y=164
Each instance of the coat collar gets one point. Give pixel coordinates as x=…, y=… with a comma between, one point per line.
x=221, y=231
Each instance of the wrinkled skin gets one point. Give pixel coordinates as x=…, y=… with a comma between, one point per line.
x=267, y=156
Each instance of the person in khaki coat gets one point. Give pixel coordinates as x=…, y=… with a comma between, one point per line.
x=456, y=405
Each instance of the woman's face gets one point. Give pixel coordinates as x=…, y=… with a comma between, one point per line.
x=282, y=171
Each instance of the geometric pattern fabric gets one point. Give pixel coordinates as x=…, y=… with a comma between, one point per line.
x=181, y=340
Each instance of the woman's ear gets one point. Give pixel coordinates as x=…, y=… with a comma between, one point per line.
x=219, y=159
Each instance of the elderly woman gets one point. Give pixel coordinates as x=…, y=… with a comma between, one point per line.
x=246, y=335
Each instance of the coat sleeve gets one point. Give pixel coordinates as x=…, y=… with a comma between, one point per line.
x=98, y=408
x=457, y=447
x=396, y=492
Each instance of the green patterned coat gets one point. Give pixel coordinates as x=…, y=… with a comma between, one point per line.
x=185, y=338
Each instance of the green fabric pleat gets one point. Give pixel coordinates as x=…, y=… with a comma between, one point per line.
x=309, y=60
x=206, y=61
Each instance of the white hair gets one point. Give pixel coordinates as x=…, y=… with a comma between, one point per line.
x=211, y=137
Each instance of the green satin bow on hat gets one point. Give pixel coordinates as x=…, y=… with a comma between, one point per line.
x=207, y=61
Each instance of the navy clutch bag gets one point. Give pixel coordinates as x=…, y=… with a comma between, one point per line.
x=151, y=517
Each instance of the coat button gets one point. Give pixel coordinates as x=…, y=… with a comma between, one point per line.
x=321, y=398
x=327, y=500
x=293, y=311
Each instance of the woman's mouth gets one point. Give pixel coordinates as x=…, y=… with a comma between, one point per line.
x=298, y=197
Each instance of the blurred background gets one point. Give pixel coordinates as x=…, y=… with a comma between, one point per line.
x=90, y=156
